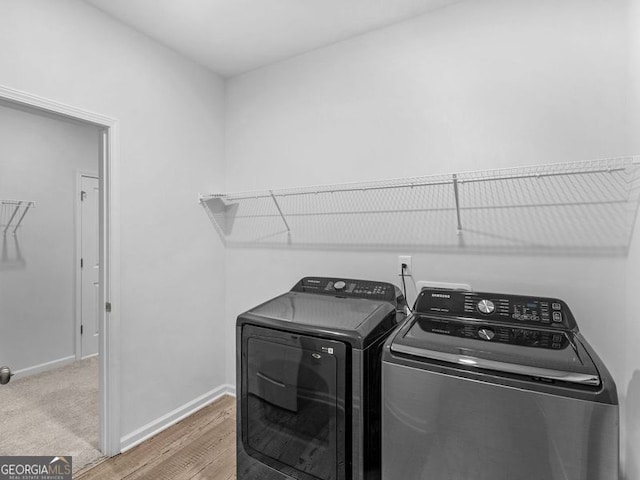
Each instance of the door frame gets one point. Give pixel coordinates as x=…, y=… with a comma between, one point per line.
x=78, y=257
x=109, y=218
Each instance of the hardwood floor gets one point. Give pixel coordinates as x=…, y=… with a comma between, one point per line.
x=200, y=447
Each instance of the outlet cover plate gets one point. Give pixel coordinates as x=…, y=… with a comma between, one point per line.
x=406, y=259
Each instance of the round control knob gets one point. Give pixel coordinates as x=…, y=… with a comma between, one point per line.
x=339, y=285
x=486, y=333
x=486, y=306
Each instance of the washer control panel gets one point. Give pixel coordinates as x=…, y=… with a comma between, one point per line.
x=527, y=337
x=523, y=311
x=344, y=287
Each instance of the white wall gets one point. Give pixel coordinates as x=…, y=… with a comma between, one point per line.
x=171, y=145
x=39, y=159
x=476, y=85
x=631, y=414
x=472, y=86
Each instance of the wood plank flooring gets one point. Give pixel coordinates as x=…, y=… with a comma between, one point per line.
x=200, y=447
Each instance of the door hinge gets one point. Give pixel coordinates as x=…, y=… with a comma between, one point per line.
x=83, y=195
x=82, y=263
x=81, y=329
x=107, y=307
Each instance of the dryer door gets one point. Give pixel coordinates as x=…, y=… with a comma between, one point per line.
x=293, y=402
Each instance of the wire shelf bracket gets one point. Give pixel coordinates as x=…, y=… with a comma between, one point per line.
x=13, y=209
x=455, y=192
x=275, y=200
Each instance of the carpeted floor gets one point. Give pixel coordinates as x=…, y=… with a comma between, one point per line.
x=53, y=413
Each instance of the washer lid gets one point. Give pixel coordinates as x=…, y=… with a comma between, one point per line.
x=483, y=350
x=356, y=320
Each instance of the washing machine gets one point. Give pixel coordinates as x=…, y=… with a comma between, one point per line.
x=309, y=380
x=489, y=386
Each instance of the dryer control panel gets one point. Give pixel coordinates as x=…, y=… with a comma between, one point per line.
x=344, y=287
x=512, y=310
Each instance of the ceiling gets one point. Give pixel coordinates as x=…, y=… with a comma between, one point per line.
x=231, y=37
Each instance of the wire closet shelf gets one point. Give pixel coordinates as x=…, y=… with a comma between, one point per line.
x=586, y=206
x=12, y=213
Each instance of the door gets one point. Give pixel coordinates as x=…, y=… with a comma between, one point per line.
x=293, y=403
x=89, y=265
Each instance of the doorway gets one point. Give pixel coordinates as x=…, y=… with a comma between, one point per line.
x=108, y=251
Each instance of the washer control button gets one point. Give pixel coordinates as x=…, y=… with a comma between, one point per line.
x=486, y=306
x=556, y=306
x=557, y=317
x=486, y=333
x=339, y=285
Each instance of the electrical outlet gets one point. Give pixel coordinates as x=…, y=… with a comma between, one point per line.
x=406, y=259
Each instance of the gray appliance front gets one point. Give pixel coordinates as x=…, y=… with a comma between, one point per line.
x=446, y=427
x=251, y=469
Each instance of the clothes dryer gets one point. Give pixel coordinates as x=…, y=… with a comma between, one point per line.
x=308, y=378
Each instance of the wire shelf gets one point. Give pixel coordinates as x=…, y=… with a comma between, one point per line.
x=587, y=206
x=12, y=213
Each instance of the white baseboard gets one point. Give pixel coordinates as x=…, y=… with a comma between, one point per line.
x=231, y=390
x=43, y=367
x=152, y=428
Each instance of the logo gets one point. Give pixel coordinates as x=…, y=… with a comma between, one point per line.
x=35, y=468
x=440, y=330
x=440, y=295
